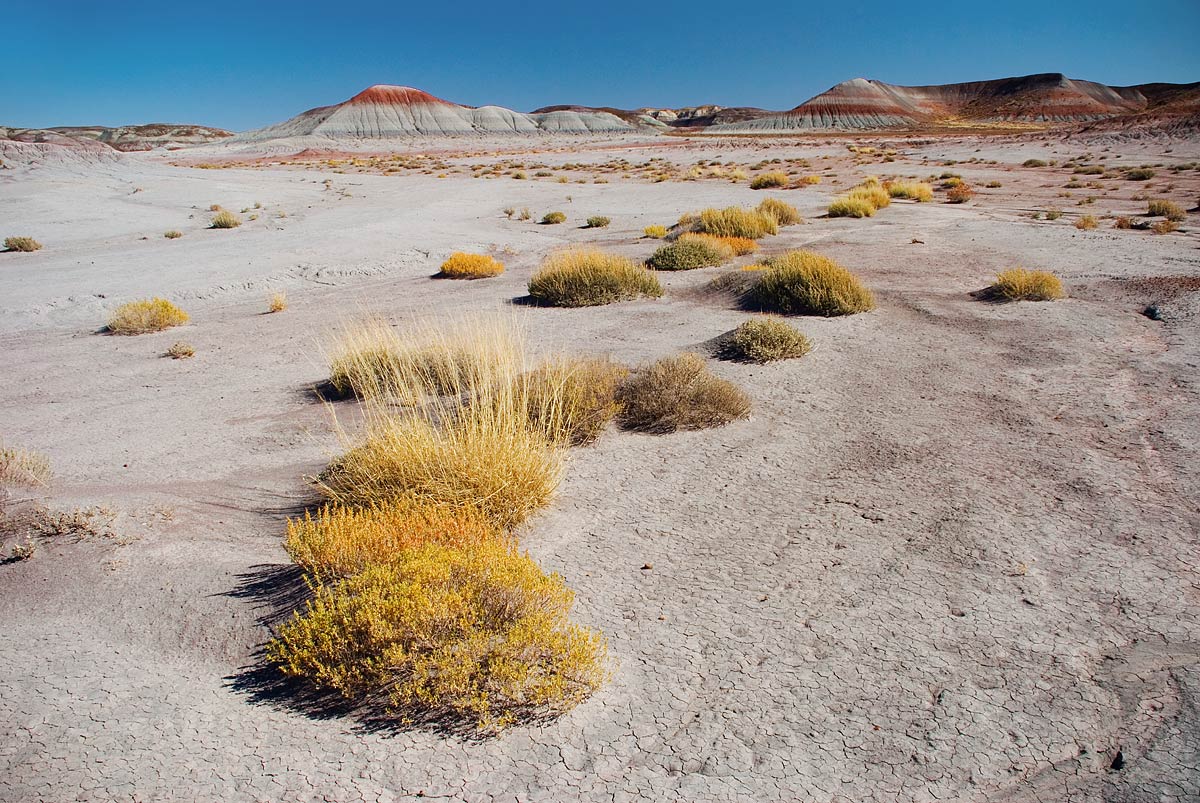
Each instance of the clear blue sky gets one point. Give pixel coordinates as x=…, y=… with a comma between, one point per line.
x=241, y=65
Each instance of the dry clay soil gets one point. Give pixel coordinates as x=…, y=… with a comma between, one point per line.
x=951, y=556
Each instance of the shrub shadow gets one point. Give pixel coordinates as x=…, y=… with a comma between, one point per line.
x=990, y=295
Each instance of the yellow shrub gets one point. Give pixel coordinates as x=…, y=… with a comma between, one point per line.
x=277, y=302
x=739, y=246
x=776, y=178
x=655, y=232
x=589, y=277
x=481, y=633
x=1168, y=209
x=873, y=194
x=851, y=207
x=225, y=219
x=784, y=214
x=462, y=265
x=810, y=180
x=735, y=222
x=912, y=190
x=139, y=317
x=1087, y=223
x=805, y=283
x=341, y=541
x=572, y=400
x=1019, y=284
x=679, y=393
x=181, y=350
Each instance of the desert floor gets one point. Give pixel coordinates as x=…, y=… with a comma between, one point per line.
x=952, y=555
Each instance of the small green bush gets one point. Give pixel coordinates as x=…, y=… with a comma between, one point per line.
x=689, y=253
x=597, y=222
x=21, y=244
x=805, y=283
x=552, y=218
x=589, y=277
x=767, y=340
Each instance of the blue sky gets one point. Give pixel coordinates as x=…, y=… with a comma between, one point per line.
x=243, y=65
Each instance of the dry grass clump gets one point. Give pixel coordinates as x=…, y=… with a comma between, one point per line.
x=277, y=302
x=173, y=234
x=810, y=180
x=1033, y=163
x=342, y=541
x=25, y=244
x=960, y=194
x=1164, y=208
x=1019, y=284
x=598, y=222
x=371, y=359
x=873, y=193
x=480, y=633
x=139, y=317
x=767, y=340
x=912, y=190
x=1123, y=222
x=1164, y=227
x=23, y=467
x=224, y=219
x=181, y=350
x=655, y=232
x=734, y=222
x=1087, y=223
x=589, y=277
x=689, y=252
x=851, y=207
x=783, y=213
x=738, y=245
x=1139, y=174
x=553, y=218
x=461, y=265
x=487, y=456
x=805, y=283
x=776, y=178
x=679, y=393
x=572, y=400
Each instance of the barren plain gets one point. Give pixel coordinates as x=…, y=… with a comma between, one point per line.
x=952, y=555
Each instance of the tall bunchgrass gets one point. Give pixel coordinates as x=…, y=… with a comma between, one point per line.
x=806, y=283
x=446, y=421
x=583, y=277
x=571, y=400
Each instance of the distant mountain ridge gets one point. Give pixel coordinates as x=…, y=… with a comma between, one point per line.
x=122, y=138
x=1049, y=98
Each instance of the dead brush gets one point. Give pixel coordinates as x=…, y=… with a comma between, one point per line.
x=571, y=400
x=676, y=393
x=23, y=467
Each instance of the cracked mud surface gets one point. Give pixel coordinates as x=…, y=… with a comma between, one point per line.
x=952, y=556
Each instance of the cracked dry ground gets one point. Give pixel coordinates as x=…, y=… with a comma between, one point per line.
x=951, y=557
